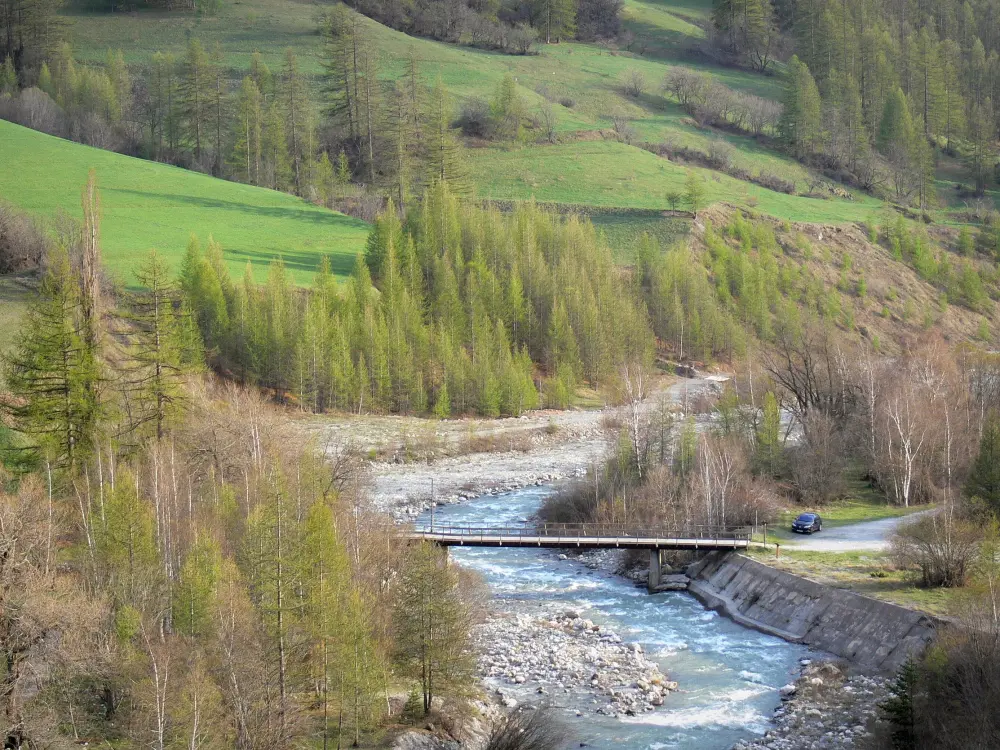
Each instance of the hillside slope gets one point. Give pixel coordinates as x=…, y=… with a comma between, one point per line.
x=149, y=205
x=583, y=82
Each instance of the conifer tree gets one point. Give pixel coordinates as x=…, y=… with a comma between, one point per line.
x=193, y=605
x=507, y=110
x=984, y=479
x=800, y=118
x=246, y=154
x=694, y=191
x=195, y=89
x=445, y=161
x=768, y=437
x=262, y=77
x=340, y=73
x=219, y=94
x=555, y=18
x=899, y=707
x=297, y=118
x=8, y=78
x=158, y=354
x=52, y=371
x=274, y=149
x=432, y=625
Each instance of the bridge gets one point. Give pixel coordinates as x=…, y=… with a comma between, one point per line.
x=588, y=536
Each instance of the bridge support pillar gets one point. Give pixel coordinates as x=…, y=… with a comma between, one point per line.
x=655, y=563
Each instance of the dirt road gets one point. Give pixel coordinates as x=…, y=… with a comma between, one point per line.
x=866, y=536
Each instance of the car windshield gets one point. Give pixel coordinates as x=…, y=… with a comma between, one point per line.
x=807, y=517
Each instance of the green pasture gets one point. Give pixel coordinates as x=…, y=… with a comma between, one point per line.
x=147, y=205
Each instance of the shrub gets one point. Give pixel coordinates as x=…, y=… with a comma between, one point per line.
x=567, y=102
x=22, y=241
x=634, y=83
x=720, y=154
x=942, y=546
x=474, y=118
x=526, y=730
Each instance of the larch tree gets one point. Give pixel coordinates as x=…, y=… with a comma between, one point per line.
x=432, y=625
x=52, y=370
x=445, y=160
x=161, y=349
x=195, y=89
x=246, y=154
x=297, y=118
x=800, y=125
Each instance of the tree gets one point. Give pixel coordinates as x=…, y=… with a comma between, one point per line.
x=219, y=106
x=507, y=110
x=91, y=294
x=445, y=160
x=8, y=78
x=899, y=708
x=694, y=191
x=52, y=371
x=326, y=579
x=196, y=87
x=274, y=149
x=298, y=120
x=768, y=437
x=555, y=18
x=195, y=594
x=984, y=478
x=432, y=624
x=164, y=99
x=747, y=30
x=246, y=154
x=159, y=351
x=800, y=125
x=340, y=67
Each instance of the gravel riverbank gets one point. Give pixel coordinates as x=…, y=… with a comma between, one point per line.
x=827, y=708
x=566, y=660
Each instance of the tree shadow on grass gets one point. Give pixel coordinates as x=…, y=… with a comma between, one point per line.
x=341, y=264
x=304, y=212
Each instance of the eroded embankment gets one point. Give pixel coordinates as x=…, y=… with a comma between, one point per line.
x=867, y=632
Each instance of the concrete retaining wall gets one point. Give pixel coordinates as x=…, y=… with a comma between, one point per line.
x=871, y=633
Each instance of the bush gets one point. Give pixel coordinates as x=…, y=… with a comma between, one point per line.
x=567, y=102
x=720, y=154
x=527, y=730
x=634, y=83
x=474, y=118
x=22, y=241
x=942, y=546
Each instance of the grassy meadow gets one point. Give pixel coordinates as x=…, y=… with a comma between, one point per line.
x=584, y=169
x=147, y=205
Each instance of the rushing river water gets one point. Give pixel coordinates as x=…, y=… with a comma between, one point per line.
x=729, y=676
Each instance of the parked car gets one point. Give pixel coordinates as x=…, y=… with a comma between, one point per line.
x=807, y=523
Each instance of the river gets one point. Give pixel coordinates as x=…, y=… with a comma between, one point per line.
x=728, y=676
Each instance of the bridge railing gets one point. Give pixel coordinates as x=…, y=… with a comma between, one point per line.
x=586, y=531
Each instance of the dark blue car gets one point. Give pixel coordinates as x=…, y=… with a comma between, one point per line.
x=807, y=523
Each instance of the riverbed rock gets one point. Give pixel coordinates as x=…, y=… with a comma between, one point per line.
x=828, y=707
x=533, y=654
x=673, y=582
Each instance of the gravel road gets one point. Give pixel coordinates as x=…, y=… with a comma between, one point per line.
x=866, y=536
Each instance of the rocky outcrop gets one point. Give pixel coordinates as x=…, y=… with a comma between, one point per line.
x=867, y=632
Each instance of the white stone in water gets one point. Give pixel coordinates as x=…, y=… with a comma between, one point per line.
x=788, y=690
